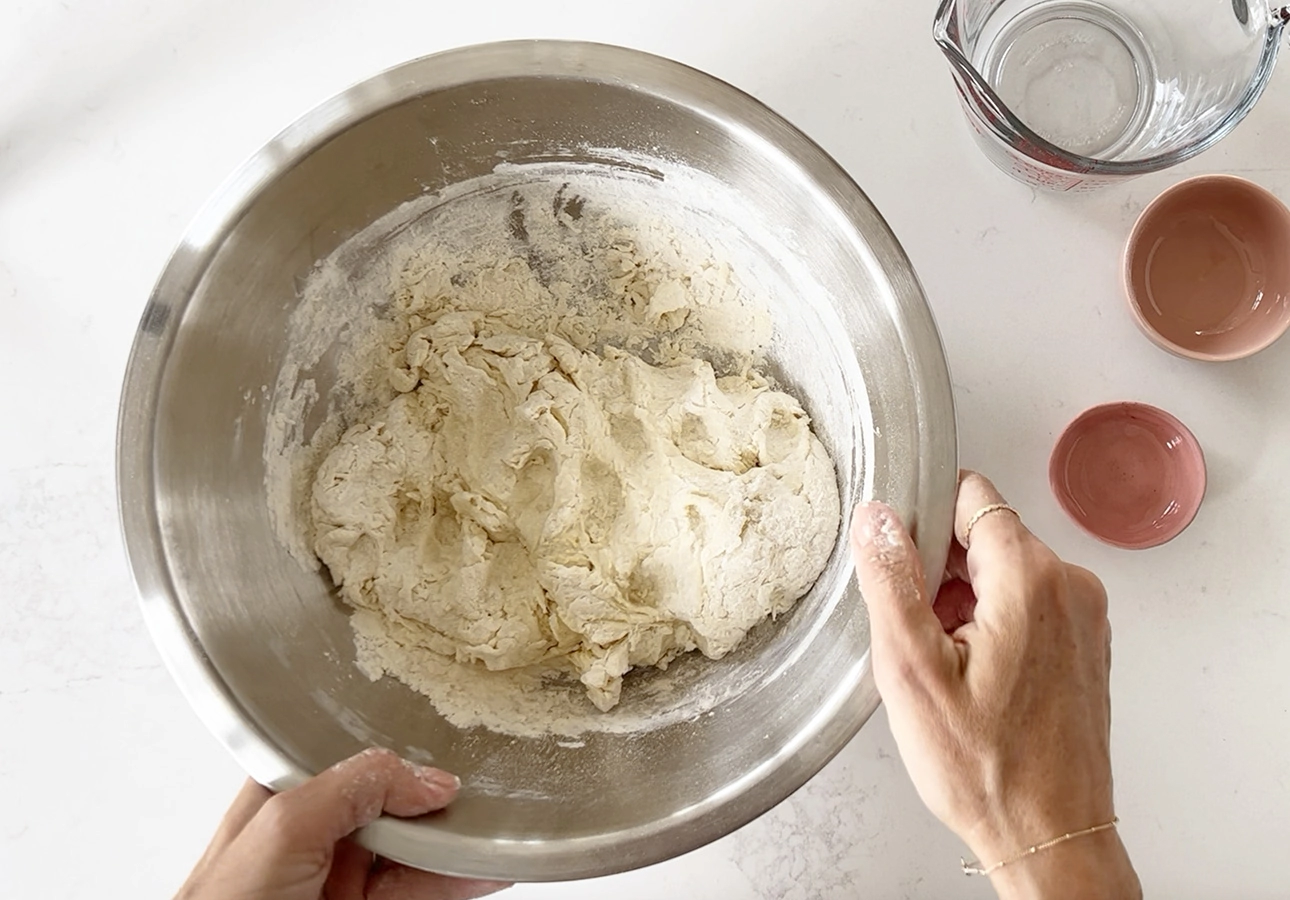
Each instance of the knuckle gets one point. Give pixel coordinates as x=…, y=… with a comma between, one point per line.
x=1014, y=542
x=1042, y=569
x=372, y=763
x=381, y=759
x=373, y=757
x=1085, y=579
x=1089, y=592
x=890, y=574
x=898, y=580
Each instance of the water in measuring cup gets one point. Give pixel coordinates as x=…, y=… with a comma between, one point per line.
x=1077, y=73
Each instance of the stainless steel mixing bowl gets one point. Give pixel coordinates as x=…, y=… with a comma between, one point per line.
x=260, y=645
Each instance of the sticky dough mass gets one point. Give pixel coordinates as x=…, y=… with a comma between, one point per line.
x=526, y=503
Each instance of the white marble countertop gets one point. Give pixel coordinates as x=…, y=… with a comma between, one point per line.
x=118, y=119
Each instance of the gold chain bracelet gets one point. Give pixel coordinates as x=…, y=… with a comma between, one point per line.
x=975, y=868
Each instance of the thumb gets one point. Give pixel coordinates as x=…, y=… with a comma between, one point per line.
x=907, y=641
x=351, y=794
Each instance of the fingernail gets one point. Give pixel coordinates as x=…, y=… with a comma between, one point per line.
x=438, y=779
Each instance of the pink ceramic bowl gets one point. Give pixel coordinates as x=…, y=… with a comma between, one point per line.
x=1129, y=474
x=1207, y=268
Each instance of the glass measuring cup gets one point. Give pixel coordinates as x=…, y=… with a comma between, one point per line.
x=1076, y=94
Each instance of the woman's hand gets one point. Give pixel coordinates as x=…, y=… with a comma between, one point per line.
x=295, y=845
x=1003, y=722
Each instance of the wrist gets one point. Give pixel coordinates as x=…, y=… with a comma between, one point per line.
x=1094, y=865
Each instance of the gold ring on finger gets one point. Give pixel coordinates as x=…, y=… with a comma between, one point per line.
x=981, y=514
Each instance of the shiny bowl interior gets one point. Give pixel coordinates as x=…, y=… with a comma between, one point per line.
x=1206, y=270
x=261, y=646
x=1129, y=474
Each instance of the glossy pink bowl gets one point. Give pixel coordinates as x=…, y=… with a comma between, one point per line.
x=1129, y=474
x=1207, y=269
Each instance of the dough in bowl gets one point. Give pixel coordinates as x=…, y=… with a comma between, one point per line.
x=550, y=452
x=525, y=503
